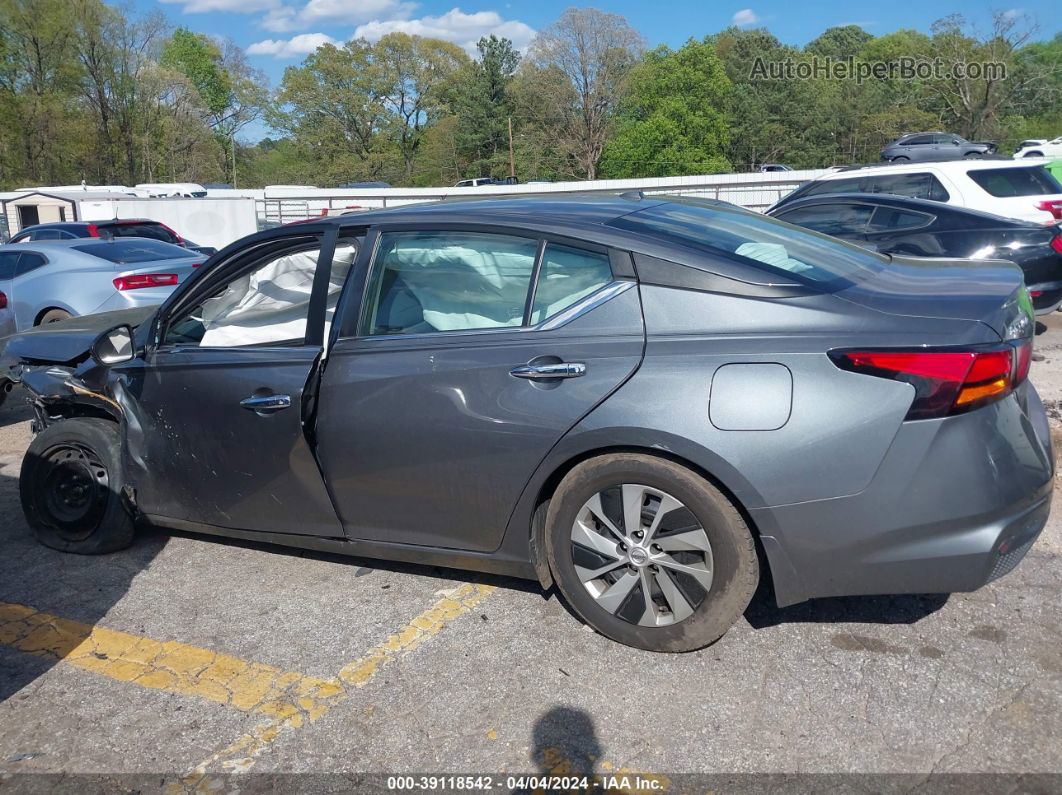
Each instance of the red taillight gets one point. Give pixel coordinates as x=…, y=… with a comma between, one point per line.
x=949, y=381
x=1056, y=242
x=141, y=280
x=93, y=230
x=3, y=300
x=1053, y=207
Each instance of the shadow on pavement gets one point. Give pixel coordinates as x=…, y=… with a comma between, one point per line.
x=763, y=612
x=565, y=743
x=78, y=589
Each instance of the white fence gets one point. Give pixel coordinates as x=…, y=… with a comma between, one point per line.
x=754, y=191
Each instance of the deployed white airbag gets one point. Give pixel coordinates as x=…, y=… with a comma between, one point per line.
x=270, y=304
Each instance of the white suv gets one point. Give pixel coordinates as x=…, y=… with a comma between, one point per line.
x=1014, y=190
x=1039, y=148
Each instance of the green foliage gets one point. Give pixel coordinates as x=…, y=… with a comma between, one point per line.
x=673, y=119
x=199, y=59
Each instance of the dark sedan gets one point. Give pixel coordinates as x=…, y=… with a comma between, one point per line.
x=919, y=228
x=637, y=399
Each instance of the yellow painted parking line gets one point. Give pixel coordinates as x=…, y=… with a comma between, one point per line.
x=240, y=755
x=165, y=665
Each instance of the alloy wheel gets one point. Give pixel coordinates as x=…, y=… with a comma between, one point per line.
x=642, y=555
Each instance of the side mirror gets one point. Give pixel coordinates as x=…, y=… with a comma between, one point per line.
x=113, y=346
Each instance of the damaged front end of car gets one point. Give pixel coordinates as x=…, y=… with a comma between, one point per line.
x=65, y=367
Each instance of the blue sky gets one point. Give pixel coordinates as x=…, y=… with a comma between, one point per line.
x=278, y=33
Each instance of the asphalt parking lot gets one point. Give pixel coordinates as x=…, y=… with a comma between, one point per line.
x=198, y=665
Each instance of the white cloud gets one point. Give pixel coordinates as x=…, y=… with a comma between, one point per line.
x=455, y=25
x=283, y=18
x=237, y=6
x=745, y=17
x=303, y=44
x=1013, y=13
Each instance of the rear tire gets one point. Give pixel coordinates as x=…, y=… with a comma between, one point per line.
x=973, y=155
x=71, y=485
x=900, y=159
x=54, y=316
x=700, y=576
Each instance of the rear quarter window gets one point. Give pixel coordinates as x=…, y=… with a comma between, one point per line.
x=129, y=251
x=1008, y=182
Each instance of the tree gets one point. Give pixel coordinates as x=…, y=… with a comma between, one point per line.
x=673, y=119
x=479, y=99
x=840, y=42
x=413, y=71
x=585, y=57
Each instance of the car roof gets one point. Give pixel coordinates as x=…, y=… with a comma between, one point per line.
x=908, y=202
x=944, y=165
x=570, y=209
x=81, y=242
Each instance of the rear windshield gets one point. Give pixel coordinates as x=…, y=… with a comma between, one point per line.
x=754, y=239
x=152, y=231
x=124, y=252
x=1003, y=182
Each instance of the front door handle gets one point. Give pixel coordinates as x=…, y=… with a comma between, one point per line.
x=541, y=372
x=266, y=404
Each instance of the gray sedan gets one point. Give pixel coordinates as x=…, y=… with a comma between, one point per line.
x=46, y=281
x=652, y=403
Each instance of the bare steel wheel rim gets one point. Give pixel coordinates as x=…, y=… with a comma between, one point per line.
x=642, y=555
x=73, y=490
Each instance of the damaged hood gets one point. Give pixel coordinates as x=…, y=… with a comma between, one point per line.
x=67, y=340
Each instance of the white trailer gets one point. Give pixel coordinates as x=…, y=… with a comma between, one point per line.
x=206, y=221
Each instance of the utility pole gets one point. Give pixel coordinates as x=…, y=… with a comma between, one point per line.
x=512, y=161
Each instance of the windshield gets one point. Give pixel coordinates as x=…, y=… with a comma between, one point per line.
x=131, y=250
x=766, y=243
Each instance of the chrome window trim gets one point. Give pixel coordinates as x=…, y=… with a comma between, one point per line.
x=586, y=304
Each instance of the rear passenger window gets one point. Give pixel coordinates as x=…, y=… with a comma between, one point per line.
x=834, y=186
x=888, y=219
x=566, y=276
x=8, y=259
x=29, y=262
x=917, y=186
x=830, y=219
x=425, y=282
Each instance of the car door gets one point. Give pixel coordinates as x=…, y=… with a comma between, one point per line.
x=474, y=352
x=218, y=435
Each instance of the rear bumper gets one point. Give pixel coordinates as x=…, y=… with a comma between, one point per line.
x=955, y=504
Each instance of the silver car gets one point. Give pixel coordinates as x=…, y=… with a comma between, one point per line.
x=46, y=281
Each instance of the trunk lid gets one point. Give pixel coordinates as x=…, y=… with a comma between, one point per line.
x=986, y=291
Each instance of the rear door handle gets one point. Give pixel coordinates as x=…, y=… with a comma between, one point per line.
x=266, y=404
x=542, y=372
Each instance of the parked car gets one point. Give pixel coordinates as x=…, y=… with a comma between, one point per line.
x=935, y=146
x=627, y=397
x=768, y=168
x=1039, y=147
x=1014, y=190
x=125, y=227
x=915, y=227
x=44, y=282
x=479, y=181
